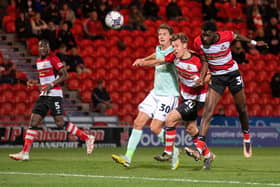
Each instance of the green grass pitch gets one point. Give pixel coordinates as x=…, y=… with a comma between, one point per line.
x=72, y=167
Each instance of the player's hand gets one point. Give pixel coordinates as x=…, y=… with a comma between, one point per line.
x=45, y=89
x=31, y=83
x=198, y=81
x=138, y=62
x=262, y=43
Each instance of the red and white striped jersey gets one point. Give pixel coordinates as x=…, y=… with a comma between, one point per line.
x=48, y=72
x=187, y=69
x=218, y=54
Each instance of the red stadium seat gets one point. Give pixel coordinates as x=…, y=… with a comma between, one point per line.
x=86, y=96
x=5, y=86
x=113, y=85
x=101, y=73
x=127, y=85
x=6, y=108
x=254, y=110
x=33, y=96
x=88, y=60
x=113, y=73
x=21, y=96
x=112, y=62
x=73, y=84
x=20, y=108
x=86, y=84
x=114, y=96
x=262, y=76
x=18, y=86
x=250, y=87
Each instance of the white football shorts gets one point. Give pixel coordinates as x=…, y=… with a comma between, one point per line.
x=157, y=107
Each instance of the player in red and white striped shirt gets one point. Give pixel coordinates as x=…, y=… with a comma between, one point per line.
x=188, y=67
x=214, y=48
x=51, y=74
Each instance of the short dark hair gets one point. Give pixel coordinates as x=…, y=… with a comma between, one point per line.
x=167, y=27
x=209, y=26
x=180, y=36
x=44, y=41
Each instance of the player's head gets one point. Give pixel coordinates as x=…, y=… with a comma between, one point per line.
x=179, y=43
x=165, y=32
x=208, y=35
x=44, y=48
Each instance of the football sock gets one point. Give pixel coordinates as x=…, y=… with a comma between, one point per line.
x=73, y=129
x=199, y=142
x=170, y=135
x=161, y=136
x=246, y=136
x=28, y=139
x=133, y=141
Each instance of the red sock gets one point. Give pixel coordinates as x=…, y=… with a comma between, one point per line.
x=170, y=135
x=28, y=139
x=73, y=129
x=200, y=145
x=246, y=137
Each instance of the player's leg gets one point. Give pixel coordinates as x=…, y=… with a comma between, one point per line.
x=209, y=156
x=170, y=151
x=134, y=139
x=56, y=108
x=212, y=100
x=146, y=109
x=165, y=104
x=214, y=94
x=38, y=112
x=237, y=90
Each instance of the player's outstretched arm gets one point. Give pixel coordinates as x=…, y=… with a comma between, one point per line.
x=253, y=42
x=150, y=57
x=142, y=62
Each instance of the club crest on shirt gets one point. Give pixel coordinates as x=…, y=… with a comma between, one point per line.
x=223, y=48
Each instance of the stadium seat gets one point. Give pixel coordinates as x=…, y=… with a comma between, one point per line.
x=114, y=96
x=254, y=110
x=18, y=87
x=5, y=86
x=21, y=96
x=112, y=62
x=89, y=61
x=127, y=85
x=6, y=108
x=20, y=108
x=113, y=85
x=113, y=73
x=73, y=84
x=86, y=96
x=87, y=84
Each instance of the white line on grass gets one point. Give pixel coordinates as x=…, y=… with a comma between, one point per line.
x=141, y=178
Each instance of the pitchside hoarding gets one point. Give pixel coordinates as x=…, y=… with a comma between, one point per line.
x=56, y=138
x=264, y=132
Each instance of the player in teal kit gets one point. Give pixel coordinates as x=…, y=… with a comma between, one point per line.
x=160, y=101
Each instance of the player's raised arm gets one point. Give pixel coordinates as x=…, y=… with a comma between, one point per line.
x=142, y=62
x=253, y=42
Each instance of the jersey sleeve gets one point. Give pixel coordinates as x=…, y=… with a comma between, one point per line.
x=56, y=62
x=170, y=57
x=197, y=46
x=228, y=35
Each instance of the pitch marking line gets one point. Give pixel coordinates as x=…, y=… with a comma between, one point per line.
x=141, y=178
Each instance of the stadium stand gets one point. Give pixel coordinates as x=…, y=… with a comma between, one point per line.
x=128, y=85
